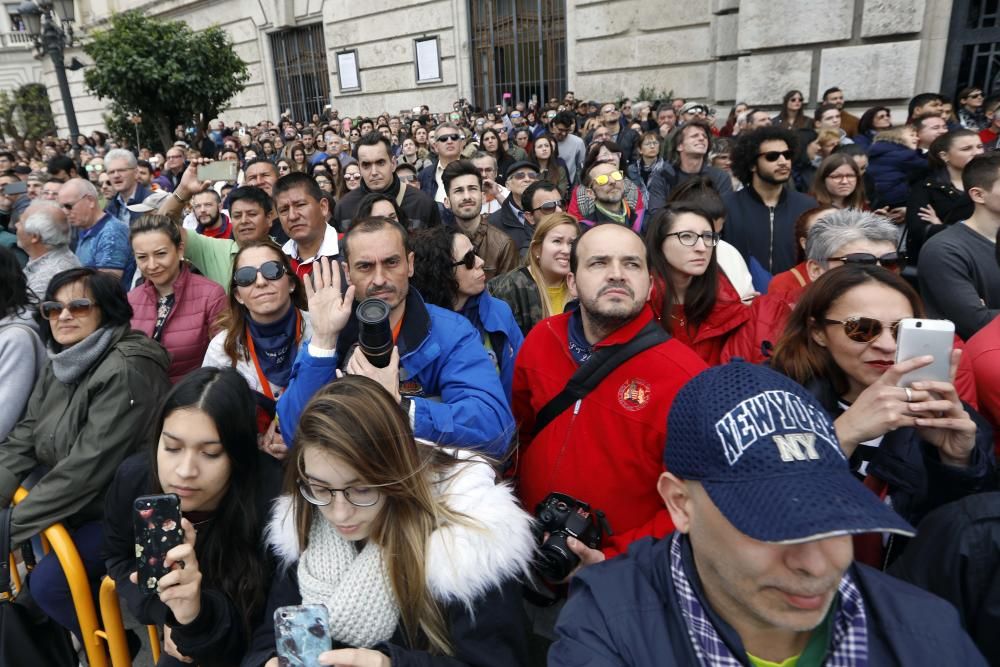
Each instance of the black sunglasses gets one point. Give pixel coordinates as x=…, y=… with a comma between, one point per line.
x=892, y=261
x=468, y=259
x=548, y=207
x=864, y=329
x=448, y=137
x=772, y=156
x=247, y=275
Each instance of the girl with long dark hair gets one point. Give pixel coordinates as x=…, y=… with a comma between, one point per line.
x=206, y=454
x=791, y=116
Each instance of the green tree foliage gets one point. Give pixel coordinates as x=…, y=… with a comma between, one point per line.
x=26, y=114
x=164, y=71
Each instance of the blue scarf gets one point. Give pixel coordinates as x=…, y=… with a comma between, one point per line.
x=274, y=344
x=579, y=347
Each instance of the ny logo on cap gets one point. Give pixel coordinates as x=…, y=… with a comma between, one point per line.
x=796, y=446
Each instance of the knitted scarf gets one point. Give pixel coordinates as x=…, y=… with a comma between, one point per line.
x=354, y=586
x=77, y=359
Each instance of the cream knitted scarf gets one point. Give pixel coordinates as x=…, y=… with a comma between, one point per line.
x=354, y=586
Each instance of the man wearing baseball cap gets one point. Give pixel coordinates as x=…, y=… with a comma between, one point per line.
x=759, y=571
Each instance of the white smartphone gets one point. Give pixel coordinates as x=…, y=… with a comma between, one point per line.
x=918, y=337
x=218, y=170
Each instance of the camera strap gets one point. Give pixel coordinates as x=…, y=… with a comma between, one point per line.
x=602, y=362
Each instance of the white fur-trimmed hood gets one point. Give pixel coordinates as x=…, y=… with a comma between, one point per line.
x=463, y=562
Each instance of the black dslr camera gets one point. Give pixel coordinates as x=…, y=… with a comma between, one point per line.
x=563, y=516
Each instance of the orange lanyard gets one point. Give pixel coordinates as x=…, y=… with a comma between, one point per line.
x=253, y=354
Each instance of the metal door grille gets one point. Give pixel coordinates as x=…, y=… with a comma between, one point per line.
x=300, y=70
x=973, y=57
x=518, y=46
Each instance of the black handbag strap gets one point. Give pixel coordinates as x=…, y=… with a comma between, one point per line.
x=5, y=585
x=600, y=364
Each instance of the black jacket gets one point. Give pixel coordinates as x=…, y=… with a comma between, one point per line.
x=663, y=181
x=956, y=555
x=217, y=636
x=918, y=481
x=766, y=233
x=950, y=204
x=625, y=611
x=505, y=219
x=420, y=208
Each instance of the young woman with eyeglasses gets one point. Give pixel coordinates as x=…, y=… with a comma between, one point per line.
x=415, y=550
x=448, y=273
x=691, y=298
x=205, y=453
x=838, y=183
x=173, y=306
x=919, y=446
x=791, y=116
x=262, y=330
x=94, y=402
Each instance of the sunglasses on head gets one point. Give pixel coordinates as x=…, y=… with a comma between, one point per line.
x=864, y=329
x=772, y=156
x=442, y=138
x=468, y=260
x=548, y=207
x=891, y=260
x=247, y=275
x=51, y=310
x=604, y=179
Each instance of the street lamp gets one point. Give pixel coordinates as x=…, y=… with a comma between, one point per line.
x=50, y=27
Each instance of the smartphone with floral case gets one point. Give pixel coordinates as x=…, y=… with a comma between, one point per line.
x=301, y=634
x=157, y=528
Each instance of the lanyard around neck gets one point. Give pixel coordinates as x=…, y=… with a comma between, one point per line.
x=265, y=385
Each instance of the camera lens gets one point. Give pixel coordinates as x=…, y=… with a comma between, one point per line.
x=555, y=560
x=374, y=332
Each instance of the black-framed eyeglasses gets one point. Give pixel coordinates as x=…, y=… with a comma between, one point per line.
x=51, y=310
x=548, y=207
x=321, y=496
x=690, y=239
x=468, y=260
x=247, y=275
x=865, y=329
x=892, y=261
x=772, y=156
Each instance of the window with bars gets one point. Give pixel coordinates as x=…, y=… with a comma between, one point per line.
x=518, y=47
x=973, y=56
x=300, y=70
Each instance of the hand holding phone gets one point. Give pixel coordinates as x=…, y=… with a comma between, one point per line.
x=922, y=337
x=157, y=528
x=218, y=170
x=301, y=634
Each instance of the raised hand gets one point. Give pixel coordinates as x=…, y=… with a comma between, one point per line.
x=329, y=310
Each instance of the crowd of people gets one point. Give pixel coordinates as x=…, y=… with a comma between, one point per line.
x=602, y=383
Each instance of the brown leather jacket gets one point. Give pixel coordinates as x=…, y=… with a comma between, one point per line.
x=495, y=247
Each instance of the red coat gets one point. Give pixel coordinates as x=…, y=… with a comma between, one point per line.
x=790, y=284
x=190, y=325
x=978, y=376
x=607, y=452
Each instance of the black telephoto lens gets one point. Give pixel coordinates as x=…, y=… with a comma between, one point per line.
x=374, y=332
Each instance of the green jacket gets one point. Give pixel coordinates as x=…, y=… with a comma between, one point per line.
x=82, y=432
x=519, y=290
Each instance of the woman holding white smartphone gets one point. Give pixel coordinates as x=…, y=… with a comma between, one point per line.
x=917, y=445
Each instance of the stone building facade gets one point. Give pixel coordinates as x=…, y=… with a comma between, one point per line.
x=720, y=51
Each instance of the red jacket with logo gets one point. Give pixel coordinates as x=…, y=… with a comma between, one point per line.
x=608, y=450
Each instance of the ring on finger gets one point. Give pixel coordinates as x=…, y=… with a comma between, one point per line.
x=909, y=394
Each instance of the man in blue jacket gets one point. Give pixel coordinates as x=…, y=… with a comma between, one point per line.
x=439, y=371
x=759, y=571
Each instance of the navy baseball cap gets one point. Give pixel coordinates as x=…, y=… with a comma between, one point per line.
x=767, y=454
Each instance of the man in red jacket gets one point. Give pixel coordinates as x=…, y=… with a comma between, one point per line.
x=607, y=448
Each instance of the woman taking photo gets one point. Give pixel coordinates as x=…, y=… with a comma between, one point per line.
x=262, y=330
x=390, y=535
x=791, y=116
x=940, y=199
x=22, y=354
x=493, y=146
x=691, y=298
x=545, y=153
x=206, y=453
x=173, y=306
x=917, y=445
x=95, y=401
x=448, y=273
x=539, y=290
x=838, y=183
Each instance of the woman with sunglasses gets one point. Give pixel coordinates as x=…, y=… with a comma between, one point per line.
x=205, y=453
x=350, y=179
x=791, y=116
x=969, y=105
x=493, y=146
x=838, y=183
x=539, y=289
x=872, y=121
x=262, y=331
x=448, y=273
x=174, y=306
x=94, y=402
x=551, y=168
x=284, y=167
x=917, y=446
x=940, y=199
x=415, y=550
x=692, y=299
